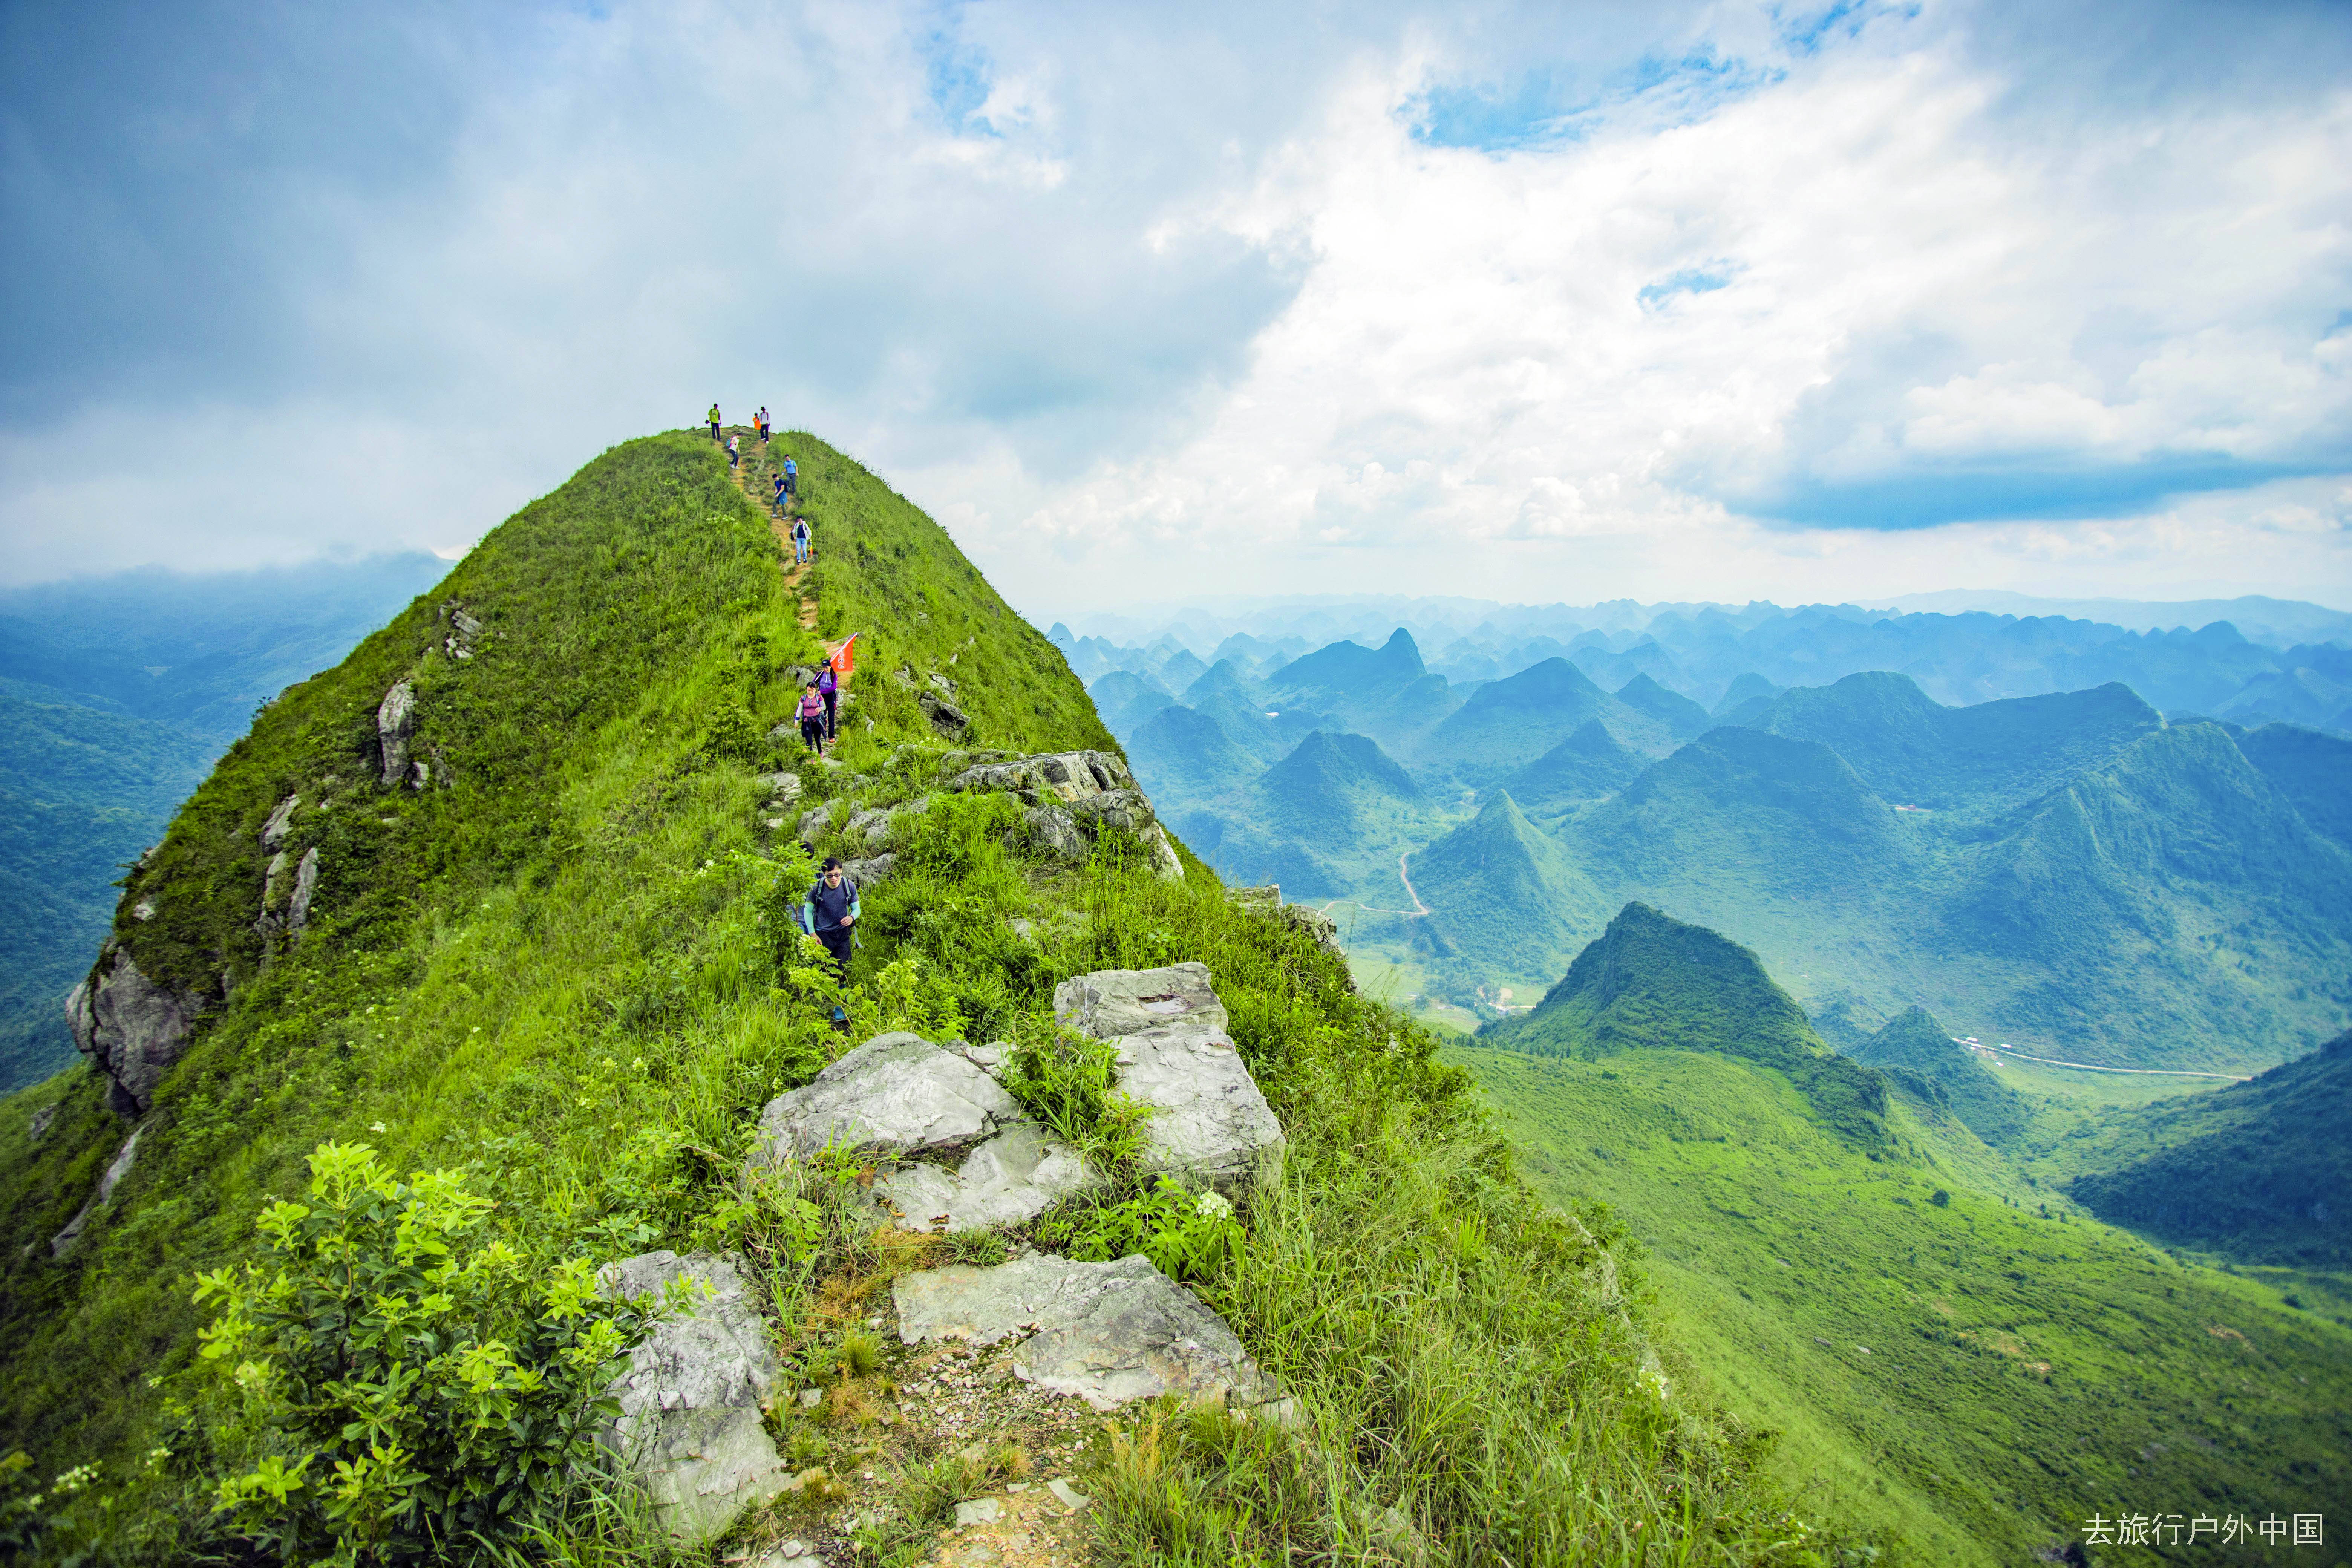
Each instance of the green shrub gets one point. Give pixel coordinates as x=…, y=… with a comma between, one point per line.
x=410, y=1397
x=1185, y=1236
x=1068, y=1082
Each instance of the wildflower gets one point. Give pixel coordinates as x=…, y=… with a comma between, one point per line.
x=375, y=1126
x=1212, y=1205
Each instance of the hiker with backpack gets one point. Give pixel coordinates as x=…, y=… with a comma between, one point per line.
x=760, y=420
x=779, y=501
x=734, y=451
x=828, y=685
x=812, y=715
x=828, y=913
x=714, y=422
x=792, y=479
x=801, y=546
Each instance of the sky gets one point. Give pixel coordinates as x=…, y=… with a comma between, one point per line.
x=1564, y=303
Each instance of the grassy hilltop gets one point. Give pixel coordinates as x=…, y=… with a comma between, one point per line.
x=557, y=968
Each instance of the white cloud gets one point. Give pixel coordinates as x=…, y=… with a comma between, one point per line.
x=1143, y=306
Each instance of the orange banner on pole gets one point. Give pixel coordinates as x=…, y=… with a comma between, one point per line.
x=843, y=658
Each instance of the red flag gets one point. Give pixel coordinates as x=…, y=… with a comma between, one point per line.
x=844, y=659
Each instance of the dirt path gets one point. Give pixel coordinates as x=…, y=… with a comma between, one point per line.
x=1414, y=913
x=2135, y=1072
x=749, y=478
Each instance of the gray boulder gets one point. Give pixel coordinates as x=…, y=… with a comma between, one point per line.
x=870, y=870
x=898, y=1093
x=784, y=789
x=1210, y=1124
x=273, y=832
x=949, y=719
x=306, y=883
x=1012, y=1178
x=395, y=722
x=690, y=1420
x=1107, y=1333
x=1053, y=830
x=134, y=1028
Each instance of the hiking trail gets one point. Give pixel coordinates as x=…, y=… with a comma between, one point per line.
x=758, y=468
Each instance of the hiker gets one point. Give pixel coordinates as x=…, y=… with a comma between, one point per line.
x=828, y=685
x=828, y=913
x=734, y=451
x=801, y=545
x=812, y=711
x=792, y=478
x=779, y=502
x=714, y=422
x=762, y=422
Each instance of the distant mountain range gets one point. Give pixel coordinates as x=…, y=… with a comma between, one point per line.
x=2248, y=660
x=116, y=695
x=2070, y=867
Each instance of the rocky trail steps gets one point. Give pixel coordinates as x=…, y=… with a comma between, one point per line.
x=1011, y=1364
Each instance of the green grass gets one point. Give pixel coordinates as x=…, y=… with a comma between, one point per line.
x=570, y=974
x=2023, y=1372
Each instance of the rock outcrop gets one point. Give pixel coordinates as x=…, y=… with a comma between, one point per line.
x=306, y=885
x=134, y=1028
x=1210, y=1124
x=395, y=724
x=119, y=1167
x=1107, y=1333
x=464, y=631
x=901, y=1095
x=896, y=1092
x=1069, y=796
x=690, y=1421
x=273, y=832
x=1014, y=1176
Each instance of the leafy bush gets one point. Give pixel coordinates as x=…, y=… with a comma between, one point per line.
x=1185, y=1236
x=411, y=1399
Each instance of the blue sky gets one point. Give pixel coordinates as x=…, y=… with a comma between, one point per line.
x=1529, y=303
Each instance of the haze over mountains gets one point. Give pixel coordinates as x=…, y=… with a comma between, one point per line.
x=2136, y=881
x=116, y=695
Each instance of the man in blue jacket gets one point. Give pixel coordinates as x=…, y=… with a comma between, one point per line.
x=828, y=913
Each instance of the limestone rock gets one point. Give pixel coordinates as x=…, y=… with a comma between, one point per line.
x=395, y=722
x=784, y=789
x=1053, y=830
x=1050, y=775
x=1011, y=1178
x=870, y=871
x=1210, y=1124
x=1105, y=1332
x=39, y=1126
x=134, y=1028
x=273, y=832
x=464, y=633
x=811, y=823
x=1068, y=794
x=949, y=719
x=897, y=1092
x=691, y=1423
x=1315, y=923
x=63, y=1242
x=866, y=829
x=306, y=883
